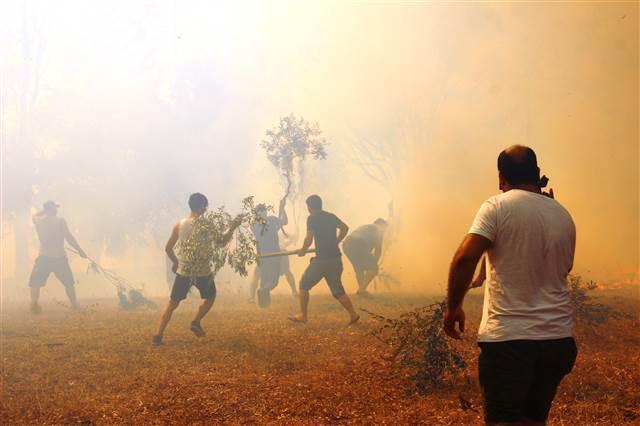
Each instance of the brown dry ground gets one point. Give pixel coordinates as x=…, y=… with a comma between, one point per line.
x=97, y=366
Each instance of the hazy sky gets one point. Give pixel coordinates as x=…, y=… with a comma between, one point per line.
x=177, y=95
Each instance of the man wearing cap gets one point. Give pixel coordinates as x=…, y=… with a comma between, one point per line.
x=52, y=233
x=363, y=248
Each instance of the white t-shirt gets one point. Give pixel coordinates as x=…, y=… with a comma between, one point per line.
x=526, y=293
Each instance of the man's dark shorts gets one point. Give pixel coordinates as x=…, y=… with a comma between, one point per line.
x=182, y=285
x=360, y=255
x=519, y=378
x=44, y=266
x=328, y=268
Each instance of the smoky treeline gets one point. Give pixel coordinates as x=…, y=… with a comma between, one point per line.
x=119, y=110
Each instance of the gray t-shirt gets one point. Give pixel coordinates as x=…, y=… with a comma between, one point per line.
x=526, y=295
x=324, y=226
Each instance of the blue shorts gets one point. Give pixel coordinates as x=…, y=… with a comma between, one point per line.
x=182, y=285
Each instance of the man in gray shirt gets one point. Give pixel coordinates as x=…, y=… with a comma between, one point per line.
x=327, y=230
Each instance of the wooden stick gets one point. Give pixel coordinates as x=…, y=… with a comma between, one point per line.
x=284, y=253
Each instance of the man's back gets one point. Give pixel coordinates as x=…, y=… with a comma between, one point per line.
x=51, y=233
x=370, y=235
x=526, y=294
x=324, y=226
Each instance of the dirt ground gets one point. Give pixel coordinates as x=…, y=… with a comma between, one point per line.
x=97, y=366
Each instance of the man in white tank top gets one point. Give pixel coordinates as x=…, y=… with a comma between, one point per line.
x=192, y=272
x=526, y=331
x=52, y=258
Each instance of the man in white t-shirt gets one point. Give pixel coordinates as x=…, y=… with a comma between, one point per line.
x=526, y=332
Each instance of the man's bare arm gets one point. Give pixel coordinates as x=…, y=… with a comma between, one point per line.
x=343, y=230
x=171, y=243
x=72, y=241
x=229, y=234
x=482, y=275
x=282, y=213
x=462, y=268
x=308, y=239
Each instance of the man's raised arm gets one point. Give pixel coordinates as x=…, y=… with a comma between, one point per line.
x=282, y=213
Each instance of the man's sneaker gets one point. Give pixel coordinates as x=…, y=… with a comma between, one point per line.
x=156, y=340
x=197, y=329
x=36, y=309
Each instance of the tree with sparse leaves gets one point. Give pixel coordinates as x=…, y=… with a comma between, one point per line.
x=289, y=144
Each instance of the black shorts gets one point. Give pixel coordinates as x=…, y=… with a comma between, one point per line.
x=45, y=266
x=360, y=256
x=182, y=285
x=330, y=269
x=519, y=378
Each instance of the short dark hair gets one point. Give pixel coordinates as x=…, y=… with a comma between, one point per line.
x=518, y=164
x=198, y=201
x=314, y=202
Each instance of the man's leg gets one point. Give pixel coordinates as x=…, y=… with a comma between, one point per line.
x=179, y=292
x=37, y=279
x=292, y=283
x=71, y=294
x=368, y=277
x=35, y=296
x=166, y=316
x=312, y=276
x=208, y=293
x=360, y=278
x=506, y=372
x=370, y=266
x=556, y=360
x=304, y=305
x=333, y=275
x=345, y=301
x=196, y=328
x=62, y=271
x=253, y=285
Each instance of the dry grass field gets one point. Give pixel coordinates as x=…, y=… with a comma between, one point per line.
x=97, y=366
